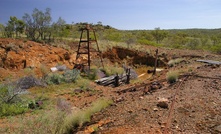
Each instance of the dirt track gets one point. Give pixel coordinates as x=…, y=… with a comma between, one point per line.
x=197, y=108
x=194, y=102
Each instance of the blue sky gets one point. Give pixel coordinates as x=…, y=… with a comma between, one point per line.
x=123, y=14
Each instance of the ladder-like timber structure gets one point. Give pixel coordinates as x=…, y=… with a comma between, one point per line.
x=88, y=41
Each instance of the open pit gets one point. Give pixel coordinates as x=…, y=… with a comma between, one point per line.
x=133, y=58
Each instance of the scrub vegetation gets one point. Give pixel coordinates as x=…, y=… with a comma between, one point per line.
x=35, y=99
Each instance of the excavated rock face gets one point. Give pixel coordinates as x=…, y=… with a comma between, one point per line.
x=18, y=54
x=118, y=54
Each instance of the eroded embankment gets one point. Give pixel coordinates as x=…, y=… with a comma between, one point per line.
x=133, y=57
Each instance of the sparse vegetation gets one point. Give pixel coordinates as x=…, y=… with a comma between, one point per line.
x=56, y=78
x=81, y=117
x=112, y=70
x=172, y=76
x=216, y=48
x=54, y=33
x=83, y=83
x=10, y=102
x=60, y=115
x=57, y=121
x=12, y=109
x=44, y=70
x=173, y=62
x=9, y=93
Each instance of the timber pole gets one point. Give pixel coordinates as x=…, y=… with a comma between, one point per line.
x=155, y=65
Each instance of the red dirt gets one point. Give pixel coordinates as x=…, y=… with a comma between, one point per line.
x=194, y=101
x=196, y=106
x=16, y=55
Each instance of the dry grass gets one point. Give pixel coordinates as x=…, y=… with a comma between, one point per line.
x=172, y=76
x=173, y=62
x=56, y=121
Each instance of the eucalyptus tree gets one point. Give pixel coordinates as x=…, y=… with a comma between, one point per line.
x=14, y=26
x=159, y=34
x=2, y=30
x=19, y=29
x=9, y=29
x=59, y=27
x=38, y=23
x=215, y=39
x=30, y=27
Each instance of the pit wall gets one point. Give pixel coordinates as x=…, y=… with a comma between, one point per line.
x=133, y=57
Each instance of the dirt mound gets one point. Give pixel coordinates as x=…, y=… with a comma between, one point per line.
x=18, y=54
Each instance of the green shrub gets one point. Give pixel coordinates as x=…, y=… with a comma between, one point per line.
x=71, y=75
x=10, y=102
x=93, y=74
x=172, y=76
x=194, y=44
x=56, y=78
x=8, y=93
x=216, y=48
x=111, y=70
x=12, y=109
x=177, y=46
x=83, y=83
x=147, y=42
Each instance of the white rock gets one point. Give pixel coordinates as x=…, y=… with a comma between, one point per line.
x=54, y=69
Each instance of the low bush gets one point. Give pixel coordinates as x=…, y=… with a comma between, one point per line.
x=56, y=78
x=172, y=76
x=216, y=48
x=8, y=94
x=83, y=83
x=173, y=62
x=12, y=109
x=112, y=70
x=10, y=102
x=151, y=43
x=95, y=73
